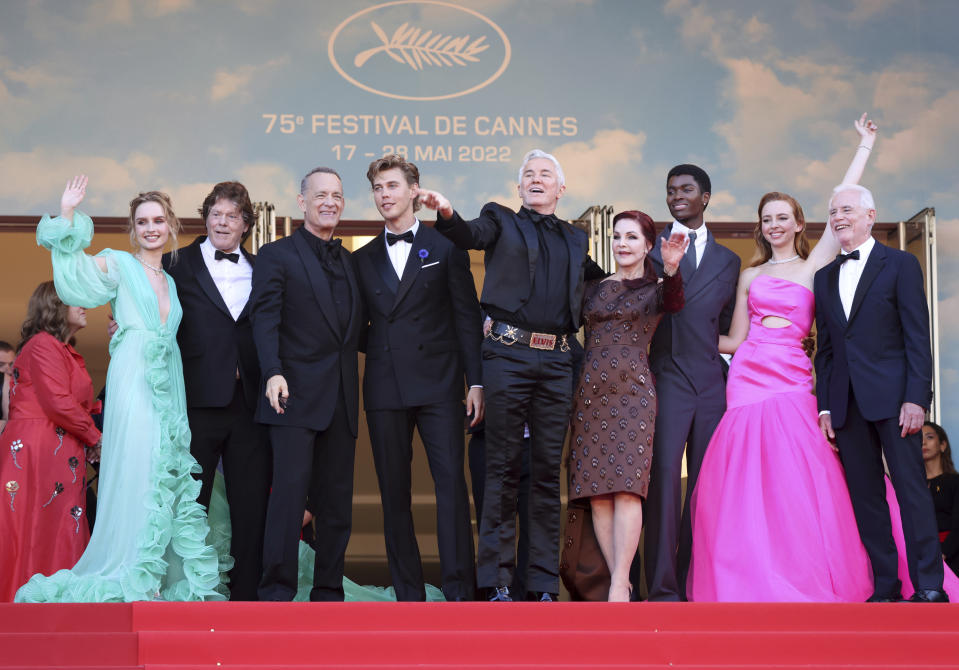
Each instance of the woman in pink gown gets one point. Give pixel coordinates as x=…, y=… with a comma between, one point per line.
x=771, y=514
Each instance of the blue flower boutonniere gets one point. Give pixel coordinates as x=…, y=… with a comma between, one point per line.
x=423, y=253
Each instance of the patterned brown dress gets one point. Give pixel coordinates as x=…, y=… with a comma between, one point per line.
x=614, y=408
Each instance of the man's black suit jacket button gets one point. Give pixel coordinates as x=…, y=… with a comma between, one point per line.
x=416, y=318
x=377, y=291
x=386, y=348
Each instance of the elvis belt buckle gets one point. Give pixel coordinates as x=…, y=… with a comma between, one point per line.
x=544, y=341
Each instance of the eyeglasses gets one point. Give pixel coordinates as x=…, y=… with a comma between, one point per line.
x=232, y=218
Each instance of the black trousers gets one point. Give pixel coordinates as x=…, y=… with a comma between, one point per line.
x=231, y=433
x=441, y=428
x=318, y=465
x=861, y=445
x=477, y=461
x=523, y=385
x=685, y=423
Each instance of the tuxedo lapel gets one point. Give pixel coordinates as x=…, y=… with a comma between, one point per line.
x=528, y=230
x=354, y=289
x=251, y=259
x=318, y=281
x=710, y=265
x=194, y=257
x=874, y=265
x=834, y=300
x=380, y=259
x=414, y=263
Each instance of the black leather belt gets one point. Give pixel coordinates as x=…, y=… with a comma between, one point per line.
x=510, y=335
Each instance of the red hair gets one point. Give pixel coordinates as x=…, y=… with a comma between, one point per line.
x=648, y=230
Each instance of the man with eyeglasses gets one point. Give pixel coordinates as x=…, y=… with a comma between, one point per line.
x=221, y=372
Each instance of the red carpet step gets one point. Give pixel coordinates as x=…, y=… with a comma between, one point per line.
x=177, y=636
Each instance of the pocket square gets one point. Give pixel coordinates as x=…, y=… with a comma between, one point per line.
x=429, y=265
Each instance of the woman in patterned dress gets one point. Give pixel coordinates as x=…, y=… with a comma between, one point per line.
x=42, y=464
x=615, y=406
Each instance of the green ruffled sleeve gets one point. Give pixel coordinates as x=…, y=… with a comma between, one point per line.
x=77, y=277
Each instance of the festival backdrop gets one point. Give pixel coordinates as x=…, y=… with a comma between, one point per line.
x=179, y=94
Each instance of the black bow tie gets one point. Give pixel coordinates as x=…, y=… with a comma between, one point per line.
x=233, y=258
x=549, y=221
x=853, y=255
x=393, y=238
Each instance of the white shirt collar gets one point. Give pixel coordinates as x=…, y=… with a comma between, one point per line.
x=211, y=250
x=415, y=227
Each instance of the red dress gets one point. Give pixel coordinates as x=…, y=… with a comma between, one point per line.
x=43, y=527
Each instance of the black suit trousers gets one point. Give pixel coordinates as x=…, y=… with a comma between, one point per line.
x=441, y=428
x=318, y=465
x=231, y=434
x=861, y=445
x=523, y=385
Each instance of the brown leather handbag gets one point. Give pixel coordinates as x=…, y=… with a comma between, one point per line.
x=582, y=567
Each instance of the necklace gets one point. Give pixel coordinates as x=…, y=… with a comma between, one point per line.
x=785, y=260
x=158, y=271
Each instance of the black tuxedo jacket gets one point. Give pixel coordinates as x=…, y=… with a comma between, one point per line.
x=882, y=349
x=689, y=338
x=212, y=344
x=424, y=330
x=298, y=334
x=512, y=251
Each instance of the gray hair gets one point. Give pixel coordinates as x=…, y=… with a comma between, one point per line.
x=866, y=200
x=321, y=170
x=539, y=153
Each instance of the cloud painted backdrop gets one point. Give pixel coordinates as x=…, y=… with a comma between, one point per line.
x=178, y=94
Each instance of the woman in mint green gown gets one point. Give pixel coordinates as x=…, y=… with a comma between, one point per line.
x=150, y=539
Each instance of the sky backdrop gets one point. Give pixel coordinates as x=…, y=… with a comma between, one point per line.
x=179, y=94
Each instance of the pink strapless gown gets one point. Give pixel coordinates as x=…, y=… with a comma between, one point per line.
x=771, y=515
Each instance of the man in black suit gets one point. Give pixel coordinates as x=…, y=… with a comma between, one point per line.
x=221, y=373
x=425, y=331
x=873, y=386
x=535, y=267
x=307, y=319
x=690, y=381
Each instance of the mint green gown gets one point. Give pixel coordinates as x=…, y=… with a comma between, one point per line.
x=150, y=540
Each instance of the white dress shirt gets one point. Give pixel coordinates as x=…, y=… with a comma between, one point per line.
x=233, y=280
x=850, y=273
x=400, y=250
x=699, y=246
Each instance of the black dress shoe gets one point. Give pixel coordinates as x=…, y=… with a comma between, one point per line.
x=545, y=597
x=500, y=594
x=929, y=596
x=888, y=598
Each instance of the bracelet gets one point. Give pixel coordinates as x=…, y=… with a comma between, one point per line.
x=863, y=146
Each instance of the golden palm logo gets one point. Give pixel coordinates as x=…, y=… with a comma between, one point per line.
x=474, y=46
x=412, y=46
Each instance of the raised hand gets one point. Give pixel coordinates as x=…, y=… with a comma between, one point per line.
x=867, y=130
x=73, y=195
x=672, y=249
x=436, y=200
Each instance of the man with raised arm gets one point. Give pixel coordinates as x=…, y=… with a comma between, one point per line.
x=535, y=267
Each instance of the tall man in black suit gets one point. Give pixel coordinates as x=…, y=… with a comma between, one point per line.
x=690, y=380
x=873, y=386
x=535, y=267
x=221, y=373
x=307, y=319
x=425, y=331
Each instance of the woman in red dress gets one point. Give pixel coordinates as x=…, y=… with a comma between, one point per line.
x=42, y=465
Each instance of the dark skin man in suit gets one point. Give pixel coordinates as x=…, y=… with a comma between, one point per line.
x=424, y=336
x=307, y=315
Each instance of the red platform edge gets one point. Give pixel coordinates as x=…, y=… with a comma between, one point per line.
x=399, y=635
